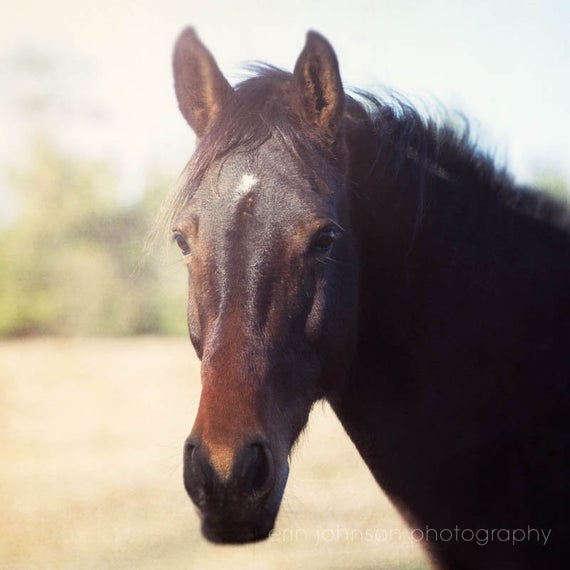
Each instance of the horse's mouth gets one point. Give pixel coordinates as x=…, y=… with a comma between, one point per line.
x=240, y=522
x=226, y=531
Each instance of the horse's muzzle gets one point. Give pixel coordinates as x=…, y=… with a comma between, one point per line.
x=240, y=505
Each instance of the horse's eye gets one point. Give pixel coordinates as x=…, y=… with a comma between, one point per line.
x=324, y=240
x=182, y=243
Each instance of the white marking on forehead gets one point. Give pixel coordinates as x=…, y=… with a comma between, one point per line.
x=247, y=182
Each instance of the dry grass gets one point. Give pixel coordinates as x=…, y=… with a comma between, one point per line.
x=91, y=435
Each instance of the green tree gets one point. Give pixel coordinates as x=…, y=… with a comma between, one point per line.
x=74, y=261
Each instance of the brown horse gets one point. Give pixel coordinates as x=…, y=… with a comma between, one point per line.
x=346, y=248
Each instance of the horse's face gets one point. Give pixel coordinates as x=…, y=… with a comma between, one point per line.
x=271, y=303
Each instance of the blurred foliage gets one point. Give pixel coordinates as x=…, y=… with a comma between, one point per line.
x=550, y=181
x=74, y=262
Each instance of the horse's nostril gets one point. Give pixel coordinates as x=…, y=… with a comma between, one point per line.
x=189, y=451
x=193, y=464
x=190, y=447
x=256, y=469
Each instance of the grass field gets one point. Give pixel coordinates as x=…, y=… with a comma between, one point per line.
x=91, y=435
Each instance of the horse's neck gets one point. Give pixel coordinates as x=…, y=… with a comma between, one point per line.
x=386, y=216
x=461, y=352
x=452, y=308
x=381, y=390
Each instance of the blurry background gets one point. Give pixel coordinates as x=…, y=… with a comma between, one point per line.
x=97, y=387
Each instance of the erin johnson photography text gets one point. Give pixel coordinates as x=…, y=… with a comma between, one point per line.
x=479, y=536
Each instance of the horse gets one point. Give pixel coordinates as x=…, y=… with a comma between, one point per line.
x=346, y=247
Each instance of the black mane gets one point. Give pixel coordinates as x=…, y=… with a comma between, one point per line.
x=442, y=146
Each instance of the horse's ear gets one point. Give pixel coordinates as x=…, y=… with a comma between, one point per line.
x=318, y=87
x=200, y=87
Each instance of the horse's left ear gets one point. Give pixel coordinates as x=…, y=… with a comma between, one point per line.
x=200, y=87
x=318, y=87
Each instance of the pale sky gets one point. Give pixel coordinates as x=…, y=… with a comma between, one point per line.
x=505, y=63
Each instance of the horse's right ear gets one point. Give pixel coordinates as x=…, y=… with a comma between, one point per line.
x=200, y=87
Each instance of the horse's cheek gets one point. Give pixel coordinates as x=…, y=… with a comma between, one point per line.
x=315, y=318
